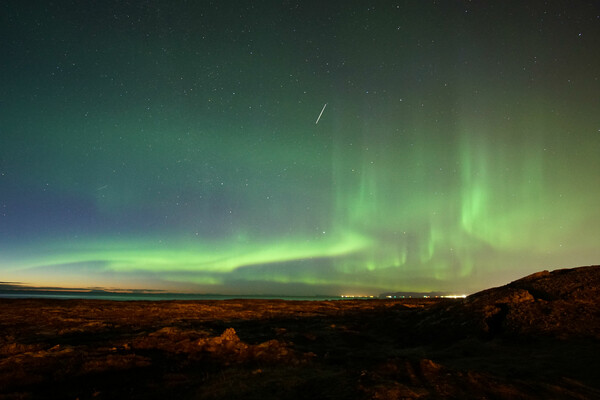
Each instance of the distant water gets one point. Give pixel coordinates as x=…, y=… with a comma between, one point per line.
x=149, y=296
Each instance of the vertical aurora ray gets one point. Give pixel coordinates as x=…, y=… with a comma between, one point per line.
x=380, y=193
x=179, y=150
x=503, y=187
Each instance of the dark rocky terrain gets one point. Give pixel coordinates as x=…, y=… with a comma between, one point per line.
x=538, y=337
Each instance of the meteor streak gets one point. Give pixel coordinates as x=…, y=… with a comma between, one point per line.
x=319, y=117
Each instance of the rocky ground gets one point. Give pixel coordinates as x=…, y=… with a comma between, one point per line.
x=538, y=337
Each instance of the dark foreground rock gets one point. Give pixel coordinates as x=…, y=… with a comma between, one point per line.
x=560, y=304
x=538, y=337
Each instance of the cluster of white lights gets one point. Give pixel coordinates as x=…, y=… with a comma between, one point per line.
x=355, y=296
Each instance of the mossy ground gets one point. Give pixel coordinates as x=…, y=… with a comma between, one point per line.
x=270, y=349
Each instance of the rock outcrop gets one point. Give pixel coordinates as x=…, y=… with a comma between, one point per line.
x=562, y=304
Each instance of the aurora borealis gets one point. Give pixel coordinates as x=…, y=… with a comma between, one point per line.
x=173, y=145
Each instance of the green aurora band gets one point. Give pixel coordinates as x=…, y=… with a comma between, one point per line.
x=417, y=178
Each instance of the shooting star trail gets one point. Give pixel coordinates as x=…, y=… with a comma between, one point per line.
x=319, y=117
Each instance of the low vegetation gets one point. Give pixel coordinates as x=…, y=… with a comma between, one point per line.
x=534, y=338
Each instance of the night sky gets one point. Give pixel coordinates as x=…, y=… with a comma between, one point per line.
x=173, y=145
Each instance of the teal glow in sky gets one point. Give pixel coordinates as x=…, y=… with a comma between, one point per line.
x=173, y=145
